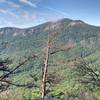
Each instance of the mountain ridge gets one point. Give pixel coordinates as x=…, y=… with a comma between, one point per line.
x=48, y=22
x=65, y=31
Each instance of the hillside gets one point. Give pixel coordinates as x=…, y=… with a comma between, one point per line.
x=66, y=31
x=82, y=39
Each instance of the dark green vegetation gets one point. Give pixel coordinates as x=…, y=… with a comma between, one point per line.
x=64, y=71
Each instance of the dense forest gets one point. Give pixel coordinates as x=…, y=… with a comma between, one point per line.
x=59, y=60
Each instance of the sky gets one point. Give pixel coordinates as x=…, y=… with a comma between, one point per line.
x=29, y=13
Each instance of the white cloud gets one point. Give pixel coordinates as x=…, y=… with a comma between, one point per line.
x=13, y=5
x=3, y=11
x=27, y=16
x=12, y=14
x=28, y=3
x=2, y=1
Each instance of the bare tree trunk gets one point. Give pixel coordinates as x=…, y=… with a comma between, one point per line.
x=45, y=70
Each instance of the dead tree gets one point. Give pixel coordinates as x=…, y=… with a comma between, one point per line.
x=45, y=70
x=50, y=50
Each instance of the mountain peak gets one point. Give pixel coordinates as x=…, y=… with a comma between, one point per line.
x=75, y=22
x=60, y=24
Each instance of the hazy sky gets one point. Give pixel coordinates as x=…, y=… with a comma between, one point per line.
x=28, y=13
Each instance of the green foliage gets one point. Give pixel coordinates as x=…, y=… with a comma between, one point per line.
x=97, y=93
x=87, y=44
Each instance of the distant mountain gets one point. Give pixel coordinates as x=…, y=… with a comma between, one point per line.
x=66, y=31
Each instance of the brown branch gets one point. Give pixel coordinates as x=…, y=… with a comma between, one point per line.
x=62, y=49
x=4, y=69
x=88, y=67
x=28, y=85
x=56, y=51
x=90, y=75
x=13, y=70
